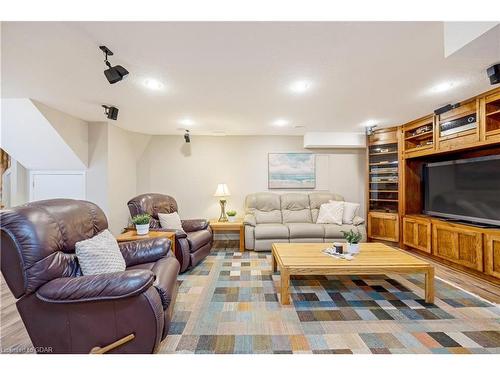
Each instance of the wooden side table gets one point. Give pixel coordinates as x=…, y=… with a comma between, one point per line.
x=131, y=235
x=227, y=226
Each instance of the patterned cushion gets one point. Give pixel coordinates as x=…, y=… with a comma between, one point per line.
x=100, y=254
x=331, y=213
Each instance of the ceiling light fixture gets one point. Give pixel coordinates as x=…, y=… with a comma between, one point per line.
x=113, y=73
x=370, y=123
x=187, y=137
x=280, y=122
x=186, y=122
x=153, y=84
x=442, y=87
x=299, y=87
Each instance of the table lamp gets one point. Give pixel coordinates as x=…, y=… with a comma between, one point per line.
x=222, y=191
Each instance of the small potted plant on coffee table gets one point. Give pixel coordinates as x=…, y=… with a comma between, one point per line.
x=352, y=239
x=231, y=216
x=141, y=224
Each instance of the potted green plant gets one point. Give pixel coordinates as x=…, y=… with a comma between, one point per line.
x=231, y=215
x=352, y=239
x=141, y=223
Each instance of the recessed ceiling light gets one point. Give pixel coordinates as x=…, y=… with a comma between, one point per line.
x=280, y=122
x=153, y=84
x=442, y=87
x=186, y=122
x=299, y=87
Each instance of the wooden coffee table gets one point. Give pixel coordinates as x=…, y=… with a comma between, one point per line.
x=374, y=258
x=131, y=235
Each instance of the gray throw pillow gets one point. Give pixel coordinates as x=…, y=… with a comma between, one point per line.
x=100, y=254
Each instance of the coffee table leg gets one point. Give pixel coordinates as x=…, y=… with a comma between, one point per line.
x=429, y=285
x=273, y=262
x=285, y=283
x=242, y=238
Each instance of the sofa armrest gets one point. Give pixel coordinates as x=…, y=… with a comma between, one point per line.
x=105, y=287
x=194, y=225
x=144, y=251
x=357, y=220
x=249, y=219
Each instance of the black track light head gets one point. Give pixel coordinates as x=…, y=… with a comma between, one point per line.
x=113, y=73
x=110, y=112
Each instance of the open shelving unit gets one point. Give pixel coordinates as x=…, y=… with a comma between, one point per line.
x=419, y=136
x=492, y=117
x=383, y=177
x=467, y=112
x=383, y=181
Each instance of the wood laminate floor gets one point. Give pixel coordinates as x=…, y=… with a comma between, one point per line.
x=14, y=338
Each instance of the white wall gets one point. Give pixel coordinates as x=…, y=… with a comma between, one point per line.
x=17, y=185
x=73, y=130
x=31, y=139
x=191, y=172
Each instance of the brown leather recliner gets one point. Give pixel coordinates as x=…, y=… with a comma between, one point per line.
x=192, y=244
x=66, y=312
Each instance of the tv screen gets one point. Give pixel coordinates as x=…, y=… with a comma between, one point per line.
x=466, y=189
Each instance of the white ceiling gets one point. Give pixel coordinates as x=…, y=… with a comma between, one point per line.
x=233, y=77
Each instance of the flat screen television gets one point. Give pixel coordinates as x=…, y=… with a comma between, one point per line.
x=465, y=189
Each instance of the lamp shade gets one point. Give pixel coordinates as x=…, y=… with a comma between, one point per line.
x=222, y=191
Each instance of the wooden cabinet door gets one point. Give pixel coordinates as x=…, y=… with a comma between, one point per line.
x=383, y=226
x=417, y=233
x=492, y=255
x=458, y=245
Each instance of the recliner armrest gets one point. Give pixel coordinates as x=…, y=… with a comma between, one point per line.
x=109, y=286
x=249, y=219
x=193, y=225
x=357, y=220
x=144, y=251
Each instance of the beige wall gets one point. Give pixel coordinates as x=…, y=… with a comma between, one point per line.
x=97, y=172
x=111, y=176
x=124, y=149
x=191, y=172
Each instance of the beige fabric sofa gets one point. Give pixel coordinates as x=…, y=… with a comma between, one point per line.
x=291, y=217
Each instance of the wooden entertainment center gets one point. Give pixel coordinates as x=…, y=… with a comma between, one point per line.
x=395, y=198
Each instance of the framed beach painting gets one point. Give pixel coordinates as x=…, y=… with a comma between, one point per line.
x=291, y=171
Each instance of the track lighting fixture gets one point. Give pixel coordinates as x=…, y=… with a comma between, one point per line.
x=113, y=73
x=187, y=137
x=110, y=112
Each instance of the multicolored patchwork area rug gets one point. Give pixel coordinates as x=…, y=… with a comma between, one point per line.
x=230, y=304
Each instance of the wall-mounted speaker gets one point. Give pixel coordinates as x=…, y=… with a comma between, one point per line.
x=446, y=108
x=494, y=74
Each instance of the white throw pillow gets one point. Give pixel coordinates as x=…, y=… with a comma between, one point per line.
x=350, y=211
x=100, y=254
x=331, y=213
x=170, y=221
